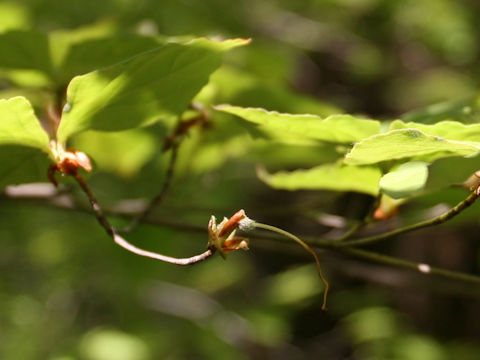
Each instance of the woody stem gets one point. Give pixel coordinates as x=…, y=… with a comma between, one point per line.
x=119, y=240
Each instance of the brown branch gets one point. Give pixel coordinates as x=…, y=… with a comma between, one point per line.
x=172, y=142
x=422, y=268
x=419, y=267
x=177, y=261
x=58, y=202
x=160, y=196
x=457, y=209
x=119, y=240
x=359, y=225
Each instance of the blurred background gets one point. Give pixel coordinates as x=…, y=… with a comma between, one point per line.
x=67, y=292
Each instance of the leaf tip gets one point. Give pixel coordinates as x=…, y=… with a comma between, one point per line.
x=238, y=41
x=220, y=107
x=227, y=44
x=262, y=173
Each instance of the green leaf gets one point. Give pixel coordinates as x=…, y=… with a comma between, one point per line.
x=22, y=165
x=27, y=50
x=334, y=128
x=13, y=16
x=282, y=155
x=155, y=85
x=63, y=40
x=406, y=143
x=20, y=126
x=451, y=171
x=405, y=180
x=451, y=130
x=213, y=155
x=92, y=54
x=234, y=86
x=466, y=111
x=337, y=177
x=104, y=343
x=27, y=80
x=63, y=54
x=123, y=153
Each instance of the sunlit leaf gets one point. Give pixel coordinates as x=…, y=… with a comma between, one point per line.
x=102, y=344
x=123, y=153
x=405, y=180
x=406, y=143
x=335, y=128
x=20, y=126
x=155, y=85
x=337, y=177
x=451, y=130
x=26, y=78
x=213, y=155
x=13, y=16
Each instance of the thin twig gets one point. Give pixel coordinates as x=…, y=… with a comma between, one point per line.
x=177, y=261
x=160, y=196
x=306, y=247
x=94, y=204
x=380, y=258
x=457, y=209
x=171, y=142
x=351, y=231
x=119, y=240
x=355, y=228
x=419, y=267
x=316, y=242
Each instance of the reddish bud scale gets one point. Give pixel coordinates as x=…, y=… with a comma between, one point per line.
x=235, y=244
x=74, y=160
x=69, y=164
x=222, y=236
x=232, y=223
x=381, y=214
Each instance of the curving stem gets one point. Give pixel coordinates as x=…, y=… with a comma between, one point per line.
x=119, y=240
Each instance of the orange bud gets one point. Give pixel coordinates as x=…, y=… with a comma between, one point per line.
x=222, y=236
x=235, y=244
x=72, y=160
x=232, y=223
